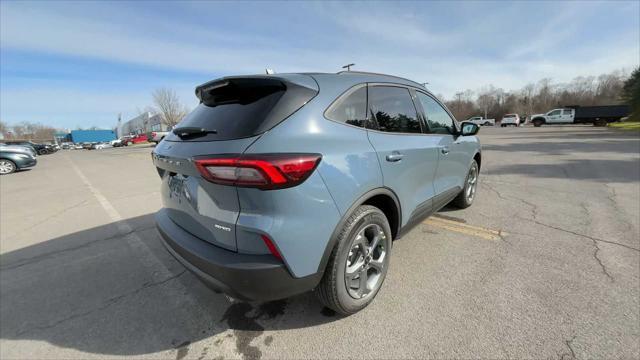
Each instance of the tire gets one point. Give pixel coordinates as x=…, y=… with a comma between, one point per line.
x=538, y=123
x=600, y=122
x=503, y=125
x=7, y=166
x=353, y=250
x=467, y=195
x=486, y=123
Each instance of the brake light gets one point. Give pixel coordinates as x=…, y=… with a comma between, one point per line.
x=153, y=134
x=272, y=248
x=266, y=171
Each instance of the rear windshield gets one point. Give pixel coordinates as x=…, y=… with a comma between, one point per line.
x=510, y=116
x=240, y=108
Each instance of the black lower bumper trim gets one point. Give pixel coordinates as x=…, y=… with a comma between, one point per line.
x=246, y=277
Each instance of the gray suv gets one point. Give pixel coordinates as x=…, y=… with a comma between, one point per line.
x=275, y=185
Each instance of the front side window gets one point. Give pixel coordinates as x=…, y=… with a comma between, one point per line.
x=438, y=118
x=393, y=109
x=555, y=112
x=351, y=108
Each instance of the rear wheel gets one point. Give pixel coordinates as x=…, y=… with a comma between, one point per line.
x=7, y=166
x=468, y=193
x=358, y=263
x=600, y=122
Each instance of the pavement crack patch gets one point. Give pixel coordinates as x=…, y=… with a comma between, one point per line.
x=594, y=241
x=105, y=305
x=55, y=215
x=41, y=257
x=571, y=354
x=532, y=206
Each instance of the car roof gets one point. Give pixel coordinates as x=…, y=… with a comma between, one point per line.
x=344, y=77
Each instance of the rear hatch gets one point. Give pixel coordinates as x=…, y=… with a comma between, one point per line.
x=233, y=112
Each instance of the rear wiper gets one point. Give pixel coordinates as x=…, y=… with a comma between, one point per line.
x=183, y=132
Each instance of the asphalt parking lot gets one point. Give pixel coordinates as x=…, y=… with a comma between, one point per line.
x=545, y=264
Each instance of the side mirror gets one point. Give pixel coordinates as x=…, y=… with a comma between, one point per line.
x=469, y=129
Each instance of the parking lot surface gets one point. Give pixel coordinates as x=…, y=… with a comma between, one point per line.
x=545, y=264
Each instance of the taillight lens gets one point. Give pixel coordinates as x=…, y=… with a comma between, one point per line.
x=266, y=171
x=272, y=248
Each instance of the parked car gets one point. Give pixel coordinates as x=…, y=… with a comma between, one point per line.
x=87, y=145
x=136, y=139
x=596, y=115
x=12, y=159
x=157, y=136
x=510, y=120
x=100, y=146
x=479, y=120
x=66, y=145
x=279, y=184
x=19, y=148
x=77, y=146
x=40, y=149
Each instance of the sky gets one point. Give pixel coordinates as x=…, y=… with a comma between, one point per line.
x=80, y=64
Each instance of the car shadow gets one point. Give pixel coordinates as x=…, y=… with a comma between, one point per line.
x=112, y=291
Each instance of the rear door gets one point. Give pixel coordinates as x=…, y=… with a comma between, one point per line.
x=453, y=154
x=408, y=158
x=233, y=113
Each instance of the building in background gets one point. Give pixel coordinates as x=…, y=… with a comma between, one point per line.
x=80, y=136
x=143, y=123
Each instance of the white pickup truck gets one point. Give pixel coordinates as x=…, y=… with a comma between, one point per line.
x=599, y=115
x=479, y=120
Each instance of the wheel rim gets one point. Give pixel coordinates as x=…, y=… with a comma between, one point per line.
x=472, y=182
x=5, y=167
x=365, y=266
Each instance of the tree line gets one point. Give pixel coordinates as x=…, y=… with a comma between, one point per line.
x=545, y=95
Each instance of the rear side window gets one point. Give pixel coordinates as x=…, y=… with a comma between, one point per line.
x=242, y=107
x=438, y=118
x=393, y=109
x=350, y=108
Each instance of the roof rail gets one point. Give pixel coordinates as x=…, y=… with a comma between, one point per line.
x=374, y=73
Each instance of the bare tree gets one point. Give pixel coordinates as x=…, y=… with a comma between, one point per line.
x=606, y=89
x=168, y=106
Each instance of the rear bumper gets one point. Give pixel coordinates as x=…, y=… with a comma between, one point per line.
x=246, y=277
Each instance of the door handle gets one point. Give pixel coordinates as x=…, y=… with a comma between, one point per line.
x=394, y=157
x=444, y=150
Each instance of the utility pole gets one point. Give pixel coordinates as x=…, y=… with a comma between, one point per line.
x=348, y=66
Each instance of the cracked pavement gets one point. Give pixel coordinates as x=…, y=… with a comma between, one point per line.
x=564, y=283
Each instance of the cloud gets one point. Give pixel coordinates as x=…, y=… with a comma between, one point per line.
x=468, y=48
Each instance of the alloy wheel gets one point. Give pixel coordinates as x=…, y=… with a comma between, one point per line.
x=472, y=183
x=366, y=261
x=6, y=167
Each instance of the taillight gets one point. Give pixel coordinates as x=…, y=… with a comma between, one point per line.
x=272, y=248
x=266, y=171
x=153, y=134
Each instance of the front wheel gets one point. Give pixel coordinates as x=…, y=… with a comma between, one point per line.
x=468, y=193
x=538, y=123
x=358, y=263
x=7, y=166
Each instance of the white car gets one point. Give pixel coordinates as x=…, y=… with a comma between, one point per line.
x=479, y=120
x=101, y=146
x=510, y=120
